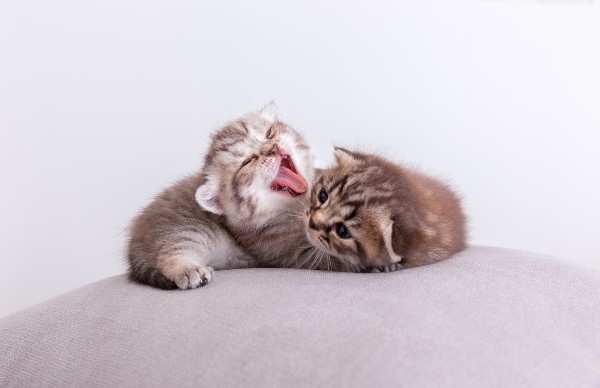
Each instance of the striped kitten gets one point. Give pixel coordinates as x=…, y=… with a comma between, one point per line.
x=255, y=170
x=376, y=215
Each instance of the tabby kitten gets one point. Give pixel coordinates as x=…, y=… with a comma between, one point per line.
x=377, y=215
x=256, y=169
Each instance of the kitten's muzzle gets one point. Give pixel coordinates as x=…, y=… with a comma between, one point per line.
x=318, y=231
x=317, y=226
x=274, y=151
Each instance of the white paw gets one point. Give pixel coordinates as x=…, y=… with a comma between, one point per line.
x=193, y=275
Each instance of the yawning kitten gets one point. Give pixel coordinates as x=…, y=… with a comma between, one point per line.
x=256, y=169
x=378, y=215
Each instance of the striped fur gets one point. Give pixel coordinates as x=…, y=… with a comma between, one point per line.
x=395, y=217
x=225, y=215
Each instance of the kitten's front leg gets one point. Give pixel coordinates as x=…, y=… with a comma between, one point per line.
x=189, y=263
x=185, y=272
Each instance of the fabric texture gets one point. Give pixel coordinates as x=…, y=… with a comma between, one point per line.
x=485, y=318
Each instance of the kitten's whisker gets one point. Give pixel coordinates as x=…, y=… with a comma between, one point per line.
x=318, y=260
x=309, y=262
x=293, y=211
x=315, y=258
x=300, y=206
x=312, y=258
x=298, y=215
x=307, y=256
x=294, y=215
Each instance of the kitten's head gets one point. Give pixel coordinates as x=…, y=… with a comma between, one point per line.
x=358, y=211
x=255, y=168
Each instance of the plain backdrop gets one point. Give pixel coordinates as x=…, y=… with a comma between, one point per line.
x=104, y=103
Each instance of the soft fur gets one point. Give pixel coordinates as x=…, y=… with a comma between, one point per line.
x=394, y=217
x=227, y=215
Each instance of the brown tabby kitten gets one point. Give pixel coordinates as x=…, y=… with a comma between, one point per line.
x=235, y=209
x=378, y=215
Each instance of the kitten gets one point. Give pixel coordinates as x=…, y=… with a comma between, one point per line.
x=256, y=169
x=376, y=215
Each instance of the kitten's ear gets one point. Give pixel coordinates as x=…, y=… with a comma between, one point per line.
x=344, y=157
x=207, y=196
x=270, y=112
x=393, y=241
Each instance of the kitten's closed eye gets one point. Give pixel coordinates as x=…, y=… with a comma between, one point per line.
x=247, y=161
x=271, y=132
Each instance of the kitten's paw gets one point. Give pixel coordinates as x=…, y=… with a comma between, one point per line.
x=193, y=276
x=184, y=272
x=387, y=268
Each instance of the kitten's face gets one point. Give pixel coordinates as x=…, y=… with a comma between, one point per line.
x=348, y=216
x=256, y=167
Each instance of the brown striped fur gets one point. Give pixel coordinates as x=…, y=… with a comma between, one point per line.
x=216, y=218
x=395, y=217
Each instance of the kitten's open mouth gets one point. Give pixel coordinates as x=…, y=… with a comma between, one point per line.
x=288, y=179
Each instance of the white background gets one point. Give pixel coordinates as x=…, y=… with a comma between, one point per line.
x=105, y=102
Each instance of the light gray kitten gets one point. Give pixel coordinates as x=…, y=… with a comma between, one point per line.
x=235, y=212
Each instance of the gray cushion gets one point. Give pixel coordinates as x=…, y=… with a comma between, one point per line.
x=487, y=317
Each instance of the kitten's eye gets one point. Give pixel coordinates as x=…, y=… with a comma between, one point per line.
x=342, y=231
x=323, y=196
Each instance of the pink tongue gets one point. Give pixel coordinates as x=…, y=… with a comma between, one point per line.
x=294, y=182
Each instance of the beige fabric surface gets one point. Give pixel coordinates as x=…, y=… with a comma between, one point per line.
x=485, y=318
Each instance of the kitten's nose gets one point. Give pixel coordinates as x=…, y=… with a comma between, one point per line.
x=312, y=224
x=274, y=150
